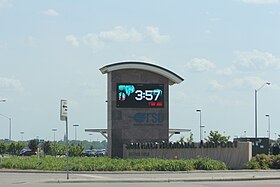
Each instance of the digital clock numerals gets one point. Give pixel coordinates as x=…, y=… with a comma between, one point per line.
x=149, y=95
x=140, y=95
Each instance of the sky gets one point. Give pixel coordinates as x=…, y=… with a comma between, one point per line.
x=224, y=50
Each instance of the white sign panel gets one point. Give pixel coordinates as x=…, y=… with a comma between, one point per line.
x=63, y=110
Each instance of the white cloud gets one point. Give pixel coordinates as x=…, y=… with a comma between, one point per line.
x=121, y=34
x=249, y=82
x=216, y=85
x=226, y=71
x=200, y=65
x=51, y=12
x=260, y=1
x=225, y=101
x=93, y=41
x=73, y=40
x=5, y=3
x=118, y=34
x=244, y=83
x=256, y=60
x=10, y=84
x=154, y=34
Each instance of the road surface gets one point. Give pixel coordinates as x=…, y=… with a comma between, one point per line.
x=147, y=179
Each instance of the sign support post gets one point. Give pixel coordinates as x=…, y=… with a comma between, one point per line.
x=67, y=150
x=63, y=117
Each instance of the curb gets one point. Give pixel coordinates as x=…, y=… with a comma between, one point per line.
x=135, y=172
x=158, y=180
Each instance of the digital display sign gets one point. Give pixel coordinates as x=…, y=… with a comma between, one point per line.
x=140, y=95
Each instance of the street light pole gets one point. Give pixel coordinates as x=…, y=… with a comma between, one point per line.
x=90, y=137
x=21, y=135
x=200, y=125
x=10, y=129
x=10, y=126
x=75, y=126
x=256, y=108
x=245, y=134
x=54, y=130
x=268, y=122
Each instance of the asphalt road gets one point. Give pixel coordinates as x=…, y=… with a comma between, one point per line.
x=189, y=184
x=147, y=179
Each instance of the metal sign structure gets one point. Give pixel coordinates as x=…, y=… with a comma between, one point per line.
x=63, y=110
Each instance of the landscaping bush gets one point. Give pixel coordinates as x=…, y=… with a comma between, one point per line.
x=107, y=164
x=208, y=164
x=263, y=161
x=276, y=162
x=253, y=164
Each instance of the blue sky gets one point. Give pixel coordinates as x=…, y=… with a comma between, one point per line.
x=52, y=50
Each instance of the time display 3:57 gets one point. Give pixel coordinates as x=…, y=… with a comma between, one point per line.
x=140, y=95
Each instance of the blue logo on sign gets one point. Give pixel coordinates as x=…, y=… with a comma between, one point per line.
x=139, y=117
x=145, y=117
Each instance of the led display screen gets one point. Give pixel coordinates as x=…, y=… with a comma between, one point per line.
x=140, y=95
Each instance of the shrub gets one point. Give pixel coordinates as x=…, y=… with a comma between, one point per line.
x=107, y=164
x=253, y=164
x=208, y=164
x=263, y=161
x=275, y=162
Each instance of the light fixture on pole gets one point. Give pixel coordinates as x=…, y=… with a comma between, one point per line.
x=245, y=133
x=21, y=135
x=200, y=125
x=75, y=126
x=10, y=126
x=268, y=122
x=54, y=130
x=256, y=107
x=90, y=137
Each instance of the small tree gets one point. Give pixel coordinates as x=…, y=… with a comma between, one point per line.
x=190, y=139
x=61, y=149
x=47, y=148
x=181, y=140
x=33, y=145
x=18, y=147
x=216, y=137
x=12, y=148
x=3, y=148
x=54, y=148
x=76, y=150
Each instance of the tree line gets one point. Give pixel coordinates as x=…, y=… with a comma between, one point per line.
x=50, y=148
